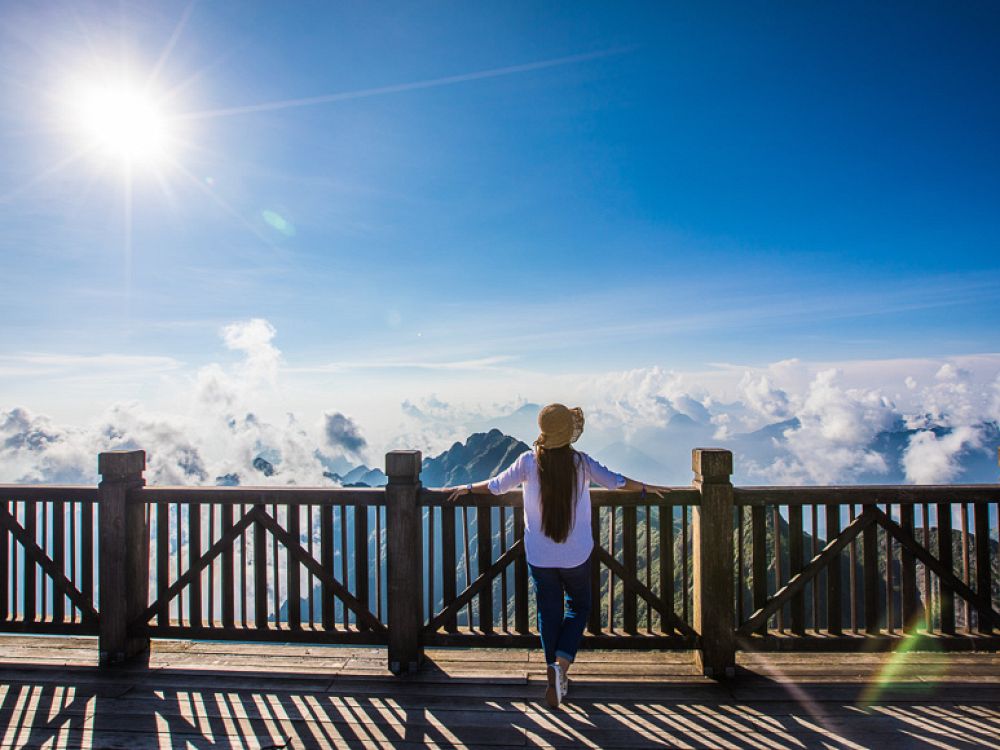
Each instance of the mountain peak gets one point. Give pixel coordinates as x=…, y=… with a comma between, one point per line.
x=483, y=455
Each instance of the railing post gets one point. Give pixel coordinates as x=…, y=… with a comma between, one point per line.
x=712, y=536
x=404, y=563
x=123, y=562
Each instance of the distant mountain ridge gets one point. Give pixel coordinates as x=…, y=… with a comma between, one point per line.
x=483, y=455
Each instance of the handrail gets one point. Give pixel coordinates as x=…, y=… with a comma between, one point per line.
x=866, y=494
x=262, y=495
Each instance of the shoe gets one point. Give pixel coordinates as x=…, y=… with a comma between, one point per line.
x=565, y=684
x=554, y=691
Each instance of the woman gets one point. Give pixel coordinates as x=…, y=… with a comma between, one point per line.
x=557, y=534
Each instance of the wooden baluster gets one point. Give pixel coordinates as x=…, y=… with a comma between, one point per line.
x=833, y=575
x=521, y=579
x=163, y=560
x=594, y=618
x=260, y=573
x=379, y=546
x=649, y=567
x=15, y=579
x=429, y=583
x=667, y=584
x=629, y=553
x=758, y=558
x=211, y=567
x=73, y=550
x=983, y=577
x=611, y=575
x=778, y=582
x=468, y=560
x=361, y=558
x=43, y=545
x=293, y=576
x=59, y=557
x=947, y=558
x=276, y=570
x=852, y=575
x=739, y=583
x=181, y=549
x=194, y=552
x=505, y=571
x=326, y=605
x=966, y=573
x=343, y=563
x=814, y=585
x=310, y=582
x=484, y=539
x=243, y=571
x=889, y=585
x=685, y=567
x=449, y=570
x=797, y=607
x=928, y=600
x=31, y=527
x=86, y=551
x=228, y=583
x=870, y=573
x=908, y=572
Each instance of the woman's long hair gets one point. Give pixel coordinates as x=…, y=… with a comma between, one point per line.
x=557, y=472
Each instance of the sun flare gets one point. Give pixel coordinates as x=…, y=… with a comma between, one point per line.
x=121, y=121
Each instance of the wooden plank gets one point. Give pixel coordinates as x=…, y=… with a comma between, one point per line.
x=520, y=578
x=833, y=574
x=889, y=586
x=448, y=568
x=870, y=576
x=629, y=524
x=908, y=573
x=866, y=494
x=983, y=565
x=966, y=564
x=227, y=577
x=945, y=555
x=778, y=580
x=429, y=549
x=797, y=604
x=293, y=572
x=326, y=561
x=344, y=558
x=79, y=493
x=758, y=562
x=815, y=583
x=675, y=496
x=484, y=555
x=263, y=495
x=194, y=552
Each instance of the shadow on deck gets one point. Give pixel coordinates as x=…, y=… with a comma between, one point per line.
x=229, y=695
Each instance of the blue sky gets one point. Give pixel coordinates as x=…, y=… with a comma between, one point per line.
x=553, y=187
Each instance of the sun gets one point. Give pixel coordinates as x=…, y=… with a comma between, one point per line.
x=121, y=121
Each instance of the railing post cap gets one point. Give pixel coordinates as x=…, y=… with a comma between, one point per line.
x=121, y=463
x=403, y=466
x=712, y=462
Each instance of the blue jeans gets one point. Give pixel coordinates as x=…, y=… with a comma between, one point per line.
x=563, y=601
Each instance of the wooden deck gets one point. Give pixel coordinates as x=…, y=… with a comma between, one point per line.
x=220, y=695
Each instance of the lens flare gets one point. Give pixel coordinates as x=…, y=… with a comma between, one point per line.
x=121, y=121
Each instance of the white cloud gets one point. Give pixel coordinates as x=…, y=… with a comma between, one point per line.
x=933, y=459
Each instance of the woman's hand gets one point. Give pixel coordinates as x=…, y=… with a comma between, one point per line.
x=455, y=492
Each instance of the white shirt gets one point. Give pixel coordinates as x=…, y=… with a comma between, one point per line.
x=541, y=550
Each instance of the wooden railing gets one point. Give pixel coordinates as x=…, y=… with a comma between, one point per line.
x=709, y=567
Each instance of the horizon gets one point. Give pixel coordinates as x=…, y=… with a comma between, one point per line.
x=383, y=228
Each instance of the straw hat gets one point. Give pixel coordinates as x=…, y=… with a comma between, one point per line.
x=560, y=426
